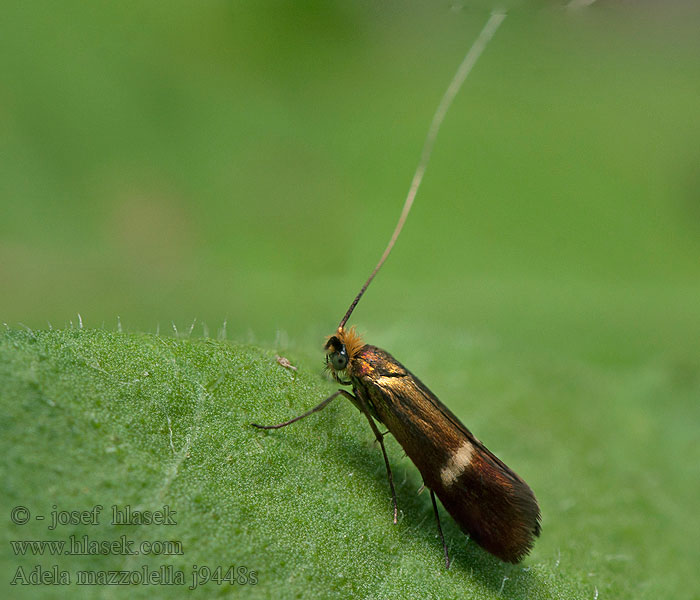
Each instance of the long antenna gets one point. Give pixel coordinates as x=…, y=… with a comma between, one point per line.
x=464, y=69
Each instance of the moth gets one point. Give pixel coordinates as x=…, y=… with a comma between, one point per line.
x=489, y=502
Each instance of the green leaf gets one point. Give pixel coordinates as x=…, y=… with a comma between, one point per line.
x=99, y=418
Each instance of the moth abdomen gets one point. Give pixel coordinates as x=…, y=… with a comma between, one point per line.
x=492, y=504
x=484, y=496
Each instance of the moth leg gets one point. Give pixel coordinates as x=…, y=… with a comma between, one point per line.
x=306, y=414
x=442, y=537
x=360, y=403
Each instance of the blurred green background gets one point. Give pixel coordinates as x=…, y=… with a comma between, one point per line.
x=190, y=163
x=247, y=161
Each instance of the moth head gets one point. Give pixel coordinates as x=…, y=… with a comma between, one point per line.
x=336, y=354
x=341, y=349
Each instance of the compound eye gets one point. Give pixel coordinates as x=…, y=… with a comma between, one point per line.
x=339, y=360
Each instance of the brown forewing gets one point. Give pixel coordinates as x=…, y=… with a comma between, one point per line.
x=486, y=498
